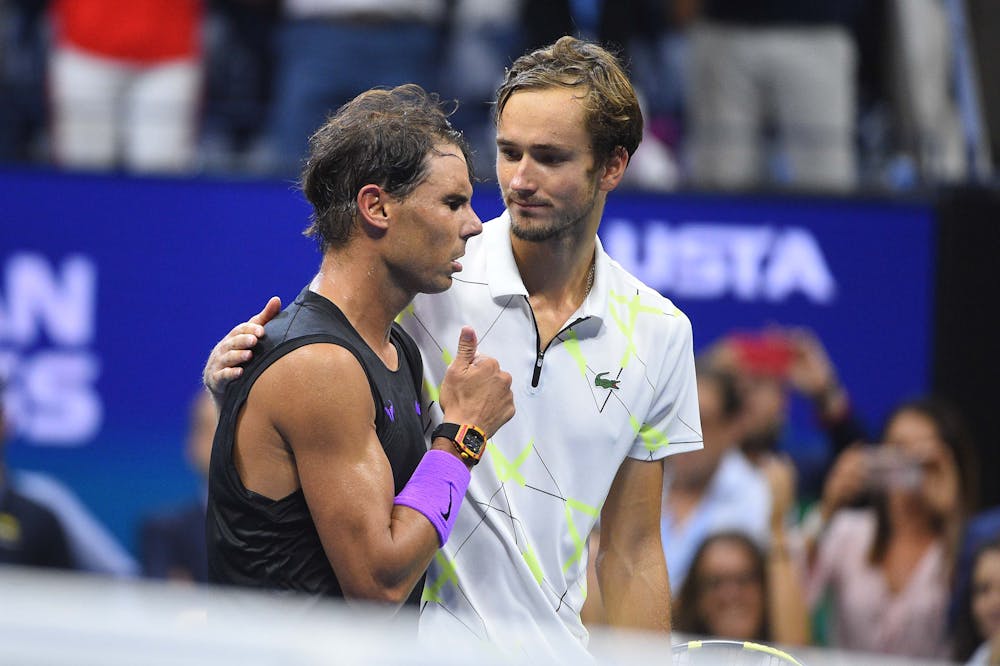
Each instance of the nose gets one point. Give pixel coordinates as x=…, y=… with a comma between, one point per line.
x=472, y=226
x=522, y=179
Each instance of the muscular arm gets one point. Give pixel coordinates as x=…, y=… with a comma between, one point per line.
x=630, y=564
x=309, y=421
x=316, y=402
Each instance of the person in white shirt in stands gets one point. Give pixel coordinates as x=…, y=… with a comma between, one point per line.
x=603, y=377
x=716, y=489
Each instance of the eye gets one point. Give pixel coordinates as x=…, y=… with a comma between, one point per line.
x=551, y=160
x=509, y=154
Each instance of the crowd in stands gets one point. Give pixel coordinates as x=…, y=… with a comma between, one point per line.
x=822, y=96
x=871, y=543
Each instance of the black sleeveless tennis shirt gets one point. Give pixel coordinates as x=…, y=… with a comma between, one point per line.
x=255, y=541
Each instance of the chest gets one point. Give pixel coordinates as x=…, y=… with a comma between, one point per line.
x=902, y=563
x=549, y=319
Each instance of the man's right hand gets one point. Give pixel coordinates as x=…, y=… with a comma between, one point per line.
x=475, y=390
x=223, y=363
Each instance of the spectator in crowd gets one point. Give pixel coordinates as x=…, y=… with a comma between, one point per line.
x=239, y=60
x=172, y=545
x=484, y=40
x=125, y=84
x=329, y=51
x=30, y=533
x=888, y=565
x=790, y=63
x=22, y=79
x=923, y=63
x=714, y=489
x=980, y=529
x=977, y=633
x=773, y=366
x=738, y=590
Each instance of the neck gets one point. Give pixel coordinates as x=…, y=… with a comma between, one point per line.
x=364, y=292
x=556, y=271
x=910, y=518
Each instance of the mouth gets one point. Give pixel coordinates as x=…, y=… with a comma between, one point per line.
x=526, y=205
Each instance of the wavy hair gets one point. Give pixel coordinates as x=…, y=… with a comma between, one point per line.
x=382, y=137
x=613, y=115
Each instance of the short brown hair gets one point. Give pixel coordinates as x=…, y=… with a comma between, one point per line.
x=613, y=115
x=380, y=137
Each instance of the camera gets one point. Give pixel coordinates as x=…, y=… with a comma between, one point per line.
x=892, y=469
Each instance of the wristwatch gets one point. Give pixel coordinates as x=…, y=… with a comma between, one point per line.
x=469, y=440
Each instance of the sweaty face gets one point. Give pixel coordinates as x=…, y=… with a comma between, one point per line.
x=545, y=165
x=986, y=593
x=731, y=595
x=433, y=222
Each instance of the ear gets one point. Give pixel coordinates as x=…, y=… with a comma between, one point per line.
x=372, y=208
x=613, y=169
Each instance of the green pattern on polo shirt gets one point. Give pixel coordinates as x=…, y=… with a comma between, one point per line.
x=572, y=346
x=633, y=308
x=652, y=438
x=579, y=542
x=509, y=470
x=408, y=310
x=432, y=590
x=532, y=560
x=434, y=392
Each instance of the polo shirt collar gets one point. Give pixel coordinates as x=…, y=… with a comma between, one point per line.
x=505, y=280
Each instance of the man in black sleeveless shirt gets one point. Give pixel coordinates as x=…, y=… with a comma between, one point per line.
x=320, y=481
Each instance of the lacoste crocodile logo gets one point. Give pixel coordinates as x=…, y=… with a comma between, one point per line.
x=601, y=382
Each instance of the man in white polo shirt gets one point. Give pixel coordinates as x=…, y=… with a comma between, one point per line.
x=603, y=377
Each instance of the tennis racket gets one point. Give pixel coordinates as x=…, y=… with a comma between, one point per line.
x=730, y=653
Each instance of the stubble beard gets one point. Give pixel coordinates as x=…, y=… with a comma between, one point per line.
x=560, y=226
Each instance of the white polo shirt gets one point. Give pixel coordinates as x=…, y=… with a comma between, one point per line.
x=617, y=382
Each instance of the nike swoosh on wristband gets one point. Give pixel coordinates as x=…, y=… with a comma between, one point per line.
x=447, y=514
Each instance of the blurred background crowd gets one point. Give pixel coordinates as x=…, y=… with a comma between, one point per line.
x=860, y=536
x=844, y=95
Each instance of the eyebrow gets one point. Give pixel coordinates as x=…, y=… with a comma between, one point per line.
x=506, y=143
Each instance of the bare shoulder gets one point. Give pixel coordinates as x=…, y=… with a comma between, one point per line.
x=313, y=389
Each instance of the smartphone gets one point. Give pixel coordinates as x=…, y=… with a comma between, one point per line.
x=890, y=468
x=767, y=354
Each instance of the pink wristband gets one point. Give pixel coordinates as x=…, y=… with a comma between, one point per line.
x=436, y=490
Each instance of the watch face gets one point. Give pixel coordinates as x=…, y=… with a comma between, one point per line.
x=473, y=440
